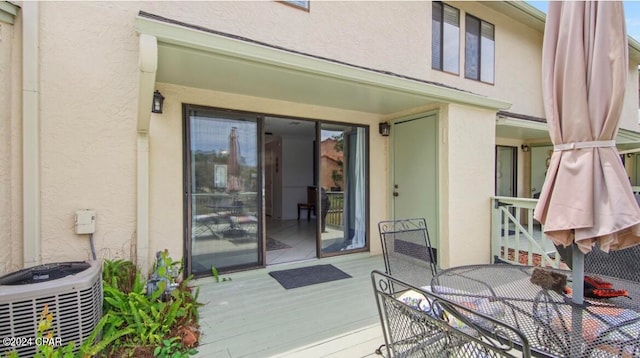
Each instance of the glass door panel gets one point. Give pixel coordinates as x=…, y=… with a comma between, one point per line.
x=506, y=171
x=343, y=189
x=222, y=187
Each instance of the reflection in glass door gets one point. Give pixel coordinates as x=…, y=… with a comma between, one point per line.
x=343, y=188
x=506, y=171
x=221, y=187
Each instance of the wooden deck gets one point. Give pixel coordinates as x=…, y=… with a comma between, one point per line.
x=253, y=316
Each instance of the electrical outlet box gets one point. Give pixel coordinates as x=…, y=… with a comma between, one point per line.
x=85, y=221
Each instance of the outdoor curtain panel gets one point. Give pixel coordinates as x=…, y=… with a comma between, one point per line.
x=587, y=195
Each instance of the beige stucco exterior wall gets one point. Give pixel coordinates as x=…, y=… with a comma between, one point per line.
x=88, y=108
x=464, y=203
x=10, y=147
x=88, y=119
x=88, y=102
x=518, y=51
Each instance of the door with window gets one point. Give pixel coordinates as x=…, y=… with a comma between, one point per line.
x=222, y=201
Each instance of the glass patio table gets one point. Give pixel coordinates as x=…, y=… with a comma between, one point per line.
x=553, y=324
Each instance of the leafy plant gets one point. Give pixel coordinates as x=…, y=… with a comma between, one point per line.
x=166, y=267
x=171, y=348
x=45, y=331
x=106, y=329
x=121, y=274
x=152, y=317
x=216, y=275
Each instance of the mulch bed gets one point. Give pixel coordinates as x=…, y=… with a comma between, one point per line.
x=523, y=257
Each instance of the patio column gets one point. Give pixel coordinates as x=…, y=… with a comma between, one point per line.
x=467, y=184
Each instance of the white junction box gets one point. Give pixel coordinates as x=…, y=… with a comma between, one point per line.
x=85, y=221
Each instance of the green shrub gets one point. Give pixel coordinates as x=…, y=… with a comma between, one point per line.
x=151, y=320
x=134, y=320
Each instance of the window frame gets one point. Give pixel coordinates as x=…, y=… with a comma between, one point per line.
x=442, y=38
x=479, y=50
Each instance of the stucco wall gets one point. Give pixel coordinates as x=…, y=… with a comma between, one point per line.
x=518, y=51
x=88, y=103
x=464, y=203
x=88, y=108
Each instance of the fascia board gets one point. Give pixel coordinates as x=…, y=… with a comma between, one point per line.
x=242, y=50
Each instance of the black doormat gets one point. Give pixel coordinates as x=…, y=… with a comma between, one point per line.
x=273, y=244
x=305, y=276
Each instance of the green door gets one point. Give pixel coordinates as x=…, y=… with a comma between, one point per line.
x=415, y=171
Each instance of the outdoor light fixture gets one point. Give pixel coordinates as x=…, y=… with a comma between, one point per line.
x=524, y=147
x=384, y=128
x=158, y=100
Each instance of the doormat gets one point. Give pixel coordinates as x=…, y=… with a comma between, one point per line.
x=273, y=244
x=306, y=276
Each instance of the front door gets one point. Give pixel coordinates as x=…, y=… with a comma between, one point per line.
x=415, y=171
x=222, y=205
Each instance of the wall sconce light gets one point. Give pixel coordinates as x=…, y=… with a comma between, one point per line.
x=158, y=100
x=384, y=128
x=525, y=148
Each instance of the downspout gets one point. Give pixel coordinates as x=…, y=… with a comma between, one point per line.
x=30, y=134
x=148, y=64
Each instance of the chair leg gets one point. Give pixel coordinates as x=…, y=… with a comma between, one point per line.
x=298, y=212
x=308, y=213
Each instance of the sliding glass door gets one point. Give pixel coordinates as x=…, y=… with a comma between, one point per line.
x=221, y=191
x=343, y=189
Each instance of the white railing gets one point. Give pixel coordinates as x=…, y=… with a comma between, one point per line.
x=515, y=234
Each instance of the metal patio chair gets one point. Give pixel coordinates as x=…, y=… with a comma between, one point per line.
x=419, y=323
x=407, y=251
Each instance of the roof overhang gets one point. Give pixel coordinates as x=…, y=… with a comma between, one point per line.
x=537, y=131
x=8, y=12
x=196, y=57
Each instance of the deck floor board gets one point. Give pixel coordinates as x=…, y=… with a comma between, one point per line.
x=253, y=316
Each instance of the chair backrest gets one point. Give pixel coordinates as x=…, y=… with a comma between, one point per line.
x=624, y=264
x=311, y=195
x=407, y=250
x=419, y=323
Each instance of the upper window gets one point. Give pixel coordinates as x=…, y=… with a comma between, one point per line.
x=479, y=50
x=445, y=38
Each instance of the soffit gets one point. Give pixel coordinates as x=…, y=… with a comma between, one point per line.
x=535, y=131
x=197, y=57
